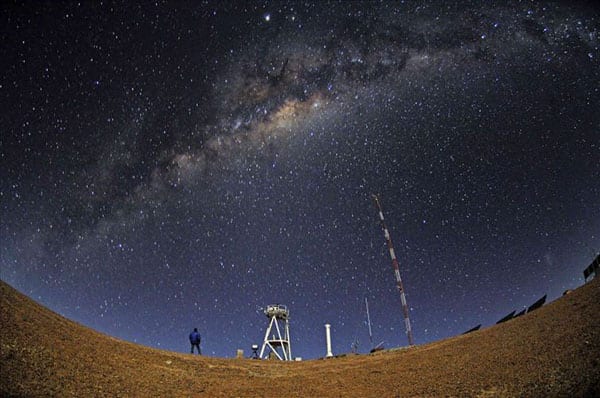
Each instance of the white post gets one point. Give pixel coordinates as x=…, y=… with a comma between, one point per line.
x=328, y=338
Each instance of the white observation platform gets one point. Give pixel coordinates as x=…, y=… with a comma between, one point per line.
x=278, y=344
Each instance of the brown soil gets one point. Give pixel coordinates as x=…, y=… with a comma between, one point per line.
x=552, y=352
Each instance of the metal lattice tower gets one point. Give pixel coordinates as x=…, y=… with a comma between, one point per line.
x=278, y=344
x=388, y=240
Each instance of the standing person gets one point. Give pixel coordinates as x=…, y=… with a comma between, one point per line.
x=195, y=340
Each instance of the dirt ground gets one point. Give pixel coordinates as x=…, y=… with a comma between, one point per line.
x=551, y=352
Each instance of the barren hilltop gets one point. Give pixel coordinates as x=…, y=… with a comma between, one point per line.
x=552, y=352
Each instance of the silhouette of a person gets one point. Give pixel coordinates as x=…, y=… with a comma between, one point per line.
x=195, y=341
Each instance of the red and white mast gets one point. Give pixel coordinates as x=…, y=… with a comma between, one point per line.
x=388, y=240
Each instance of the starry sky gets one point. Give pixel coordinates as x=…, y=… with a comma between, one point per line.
x=171, y=165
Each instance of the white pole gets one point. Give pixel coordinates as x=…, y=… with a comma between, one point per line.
x=328, y=338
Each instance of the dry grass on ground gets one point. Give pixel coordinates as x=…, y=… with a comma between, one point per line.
x=552, y=352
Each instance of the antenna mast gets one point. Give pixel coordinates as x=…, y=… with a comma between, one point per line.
x=369, y=322
x=388, y=240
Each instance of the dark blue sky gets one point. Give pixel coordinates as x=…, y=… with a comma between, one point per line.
x=170, y=166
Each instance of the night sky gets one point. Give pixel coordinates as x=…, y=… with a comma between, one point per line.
x=174, y=165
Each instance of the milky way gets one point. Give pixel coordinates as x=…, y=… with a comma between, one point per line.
x=168, y=167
